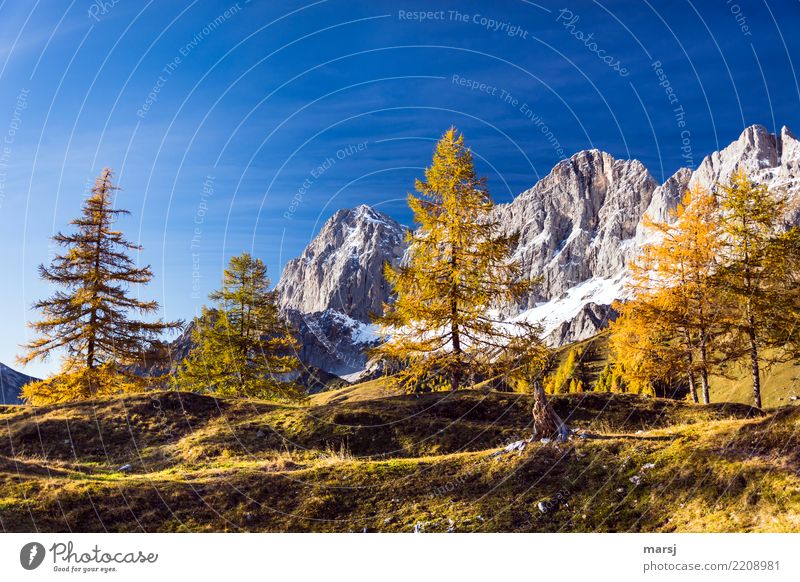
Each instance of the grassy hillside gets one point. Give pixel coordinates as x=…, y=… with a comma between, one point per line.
x=779, y=383
x=594, y=355
x=361, y=458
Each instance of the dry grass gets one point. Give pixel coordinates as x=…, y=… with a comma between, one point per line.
x=359, y=459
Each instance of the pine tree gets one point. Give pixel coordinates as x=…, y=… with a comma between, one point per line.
x=242, y=346
x=674, y=292
x=760, y=271
x=90, y=319
x=458, y=268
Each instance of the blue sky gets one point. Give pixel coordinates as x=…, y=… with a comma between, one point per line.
x=243, y=126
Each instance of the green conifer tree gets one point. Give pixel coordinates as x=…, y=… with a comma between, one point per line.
x=242, y=346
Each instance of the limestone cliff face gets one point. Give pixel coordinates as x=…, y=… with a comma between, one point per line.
x=330, y=292
x=342, y=268
x=757, y=151
x=579, y=222
x=664, y=200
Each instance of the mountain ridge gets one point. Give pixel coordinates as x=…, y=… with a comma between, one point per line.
x=342, y=266
x=579, y=227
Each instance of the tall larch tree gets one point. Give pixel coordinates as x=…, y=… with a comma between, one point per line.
x=441, y=326
x=676, y=302
x=242, y=346
x=760, y=271
x=92, y=318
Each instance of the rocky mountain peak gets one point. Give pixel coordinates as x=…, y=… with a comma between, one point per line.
x=573, y=224
x=342, y=267
x=758, y=139
x=761, y=154
x=766, y=157
x=351, y=216
x=789, y=150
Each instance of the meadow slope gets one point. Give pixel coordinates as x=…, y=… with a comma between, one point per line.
x=362, y=459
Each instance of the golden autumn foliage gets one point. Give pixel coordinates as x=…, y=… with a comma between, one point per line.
x=77, y=382
x=717, y=284
x=644, y=353
x=673, y=319
x=441, y=328
x=760, y=275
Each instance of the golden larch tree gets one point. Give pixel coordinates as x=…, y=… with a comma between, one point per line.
x=675, y=313
x=441, y=327
x=760, y=272
x=91, y=318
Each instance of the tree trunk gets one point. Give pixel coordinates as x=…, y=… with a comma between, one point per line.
x=90, y=354
x=751, y=326
x=704, y=367
x=692, y=385
x=455, y=375
x=704, y=386
x=546, y=423
x=690, y=367
x=95, y=280
x=754, y=365
x=455, y=378
x=456, y=372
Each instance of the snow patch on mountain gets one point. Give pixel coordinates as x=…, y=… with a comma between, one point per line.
x=551, y=314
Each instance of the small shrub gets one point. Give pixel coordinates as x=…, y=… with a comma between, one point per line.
x=81, y=384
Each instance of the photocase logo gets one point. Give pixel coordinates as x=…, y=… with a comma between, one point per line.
x=31, y=555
